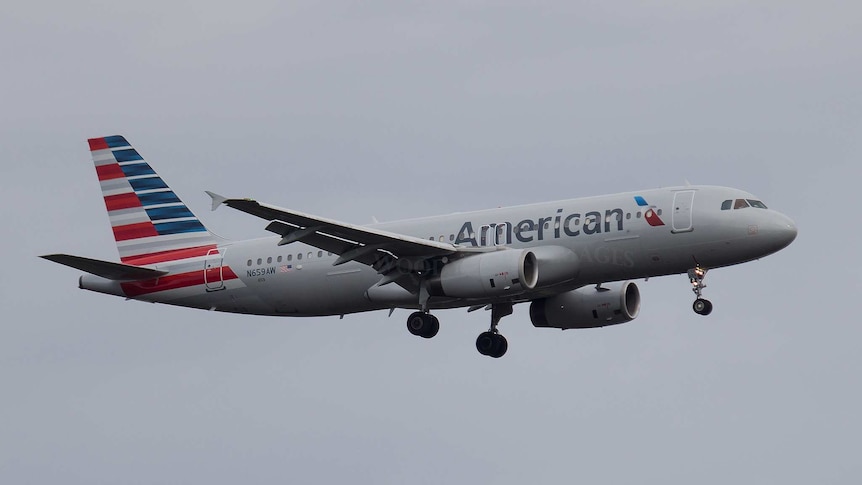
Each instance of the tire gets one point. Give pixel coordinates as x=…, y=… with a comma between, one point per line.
x=416, y=323
x=702, y=306
x=485, y=343
x=501, y=345
x=432, y=326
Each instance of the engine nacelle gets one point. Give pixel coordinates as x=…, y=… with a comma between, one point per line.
x=505, y=272
x=588, y=307
x=556, y=264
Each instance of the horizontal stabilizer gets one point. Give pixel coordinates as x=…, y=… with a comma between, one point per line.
x=106, y=269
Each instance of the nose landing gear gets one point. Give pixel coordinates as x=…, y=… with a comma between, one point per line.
x=701, y=305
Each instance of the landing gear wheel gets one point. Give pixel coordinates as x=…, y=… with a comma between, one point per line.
x=423, y=325
x=500, y=346
x=485, y=343
x=492, y=344
x=432, y=329
x=702, y=306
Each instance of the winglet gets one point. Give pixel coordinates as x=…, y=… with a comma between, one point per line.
x=217, y=199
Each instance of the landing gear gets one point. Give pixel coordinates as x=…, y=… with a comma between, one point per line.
x=701, y=305
x=491, y=343
x=423, y=324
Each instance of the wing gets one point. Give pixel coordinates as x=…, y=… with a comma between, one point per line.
x=382, y=250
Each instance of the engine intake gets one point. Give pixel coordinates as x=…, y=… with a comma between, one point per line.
x=588, y=307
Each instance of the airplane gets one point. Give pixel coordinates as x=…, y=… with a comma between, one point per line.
x=571, y=260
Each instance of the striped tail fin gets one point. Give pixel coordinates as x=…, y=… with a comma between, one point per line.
x=151, y=224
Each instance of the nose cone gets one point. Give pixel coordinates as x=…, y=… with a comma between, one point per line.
x=782, y=231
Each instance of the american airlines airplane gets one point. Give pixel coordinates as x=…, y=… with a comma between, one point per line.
x=571, y=260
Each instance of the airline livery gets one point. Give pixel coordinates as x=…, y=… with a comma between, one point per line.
x=571, y=260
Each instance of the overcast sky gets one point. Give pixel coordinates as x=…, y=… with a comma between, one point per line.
x=398, y=109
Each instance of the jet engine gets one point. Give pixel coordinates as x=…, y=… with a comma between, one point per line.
x=505, y=272
x=588, y=307
x=557, y=264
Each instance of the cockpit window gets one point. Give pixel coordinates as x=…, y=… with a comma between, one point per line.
x=740, y=204
x=726, y=205
x=756, y=203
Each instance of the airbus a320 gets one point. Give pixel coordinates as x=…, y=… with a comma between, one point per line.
x=571, y=260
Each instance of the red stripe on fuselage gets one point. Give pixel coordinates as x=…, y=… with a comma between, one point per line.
x=122, y=201
x=97, y=144
x=134, y=231
x=172, y=255
x=172, y=282
x=109, y=172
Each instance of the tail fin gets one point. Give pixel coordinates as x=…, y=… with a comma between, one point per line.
x=151, y=224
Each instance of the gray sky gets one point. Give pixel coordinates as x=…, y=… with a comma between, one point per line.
x=399, y=109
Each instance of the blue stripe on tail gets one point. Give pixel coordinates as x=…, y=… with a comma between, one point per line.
x=158, y=198
x=173, y=212
x=116, y=141
x=148, y=184
x=180, y=227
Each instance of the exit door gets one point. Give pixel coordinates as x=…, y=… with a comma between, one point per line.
x=213, y=276
x=682, y=209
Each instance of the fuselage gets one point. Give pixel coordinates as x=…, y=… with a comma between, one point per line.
x=615, y=237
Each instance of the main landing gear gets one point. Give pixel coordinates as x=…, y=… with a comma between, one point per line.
x=701, y=305
x=491, y=343
x=423, y=324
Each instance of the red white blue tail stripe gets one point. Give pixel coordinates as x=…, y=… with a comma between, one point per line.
x=150, y=223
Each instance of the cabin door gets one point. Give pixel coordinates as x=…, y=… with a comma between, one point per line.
x=682, y=210
x=213, y=276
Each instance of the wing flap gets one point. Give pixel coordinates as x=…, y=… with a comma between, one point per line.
x=106, y=269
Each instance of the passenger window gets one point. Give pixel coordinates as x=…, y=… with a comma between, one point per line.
x=269, y=260
x=298, y=256
x=259, y=261
x=658, y=212
x=638, y=215
x=290, y=257
x=320, y=254
x=249, y=262
x=726, y=205
x=310, y=255
x=756, y=203
x=740, y=204
x=279, y=259
x=628, y=215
